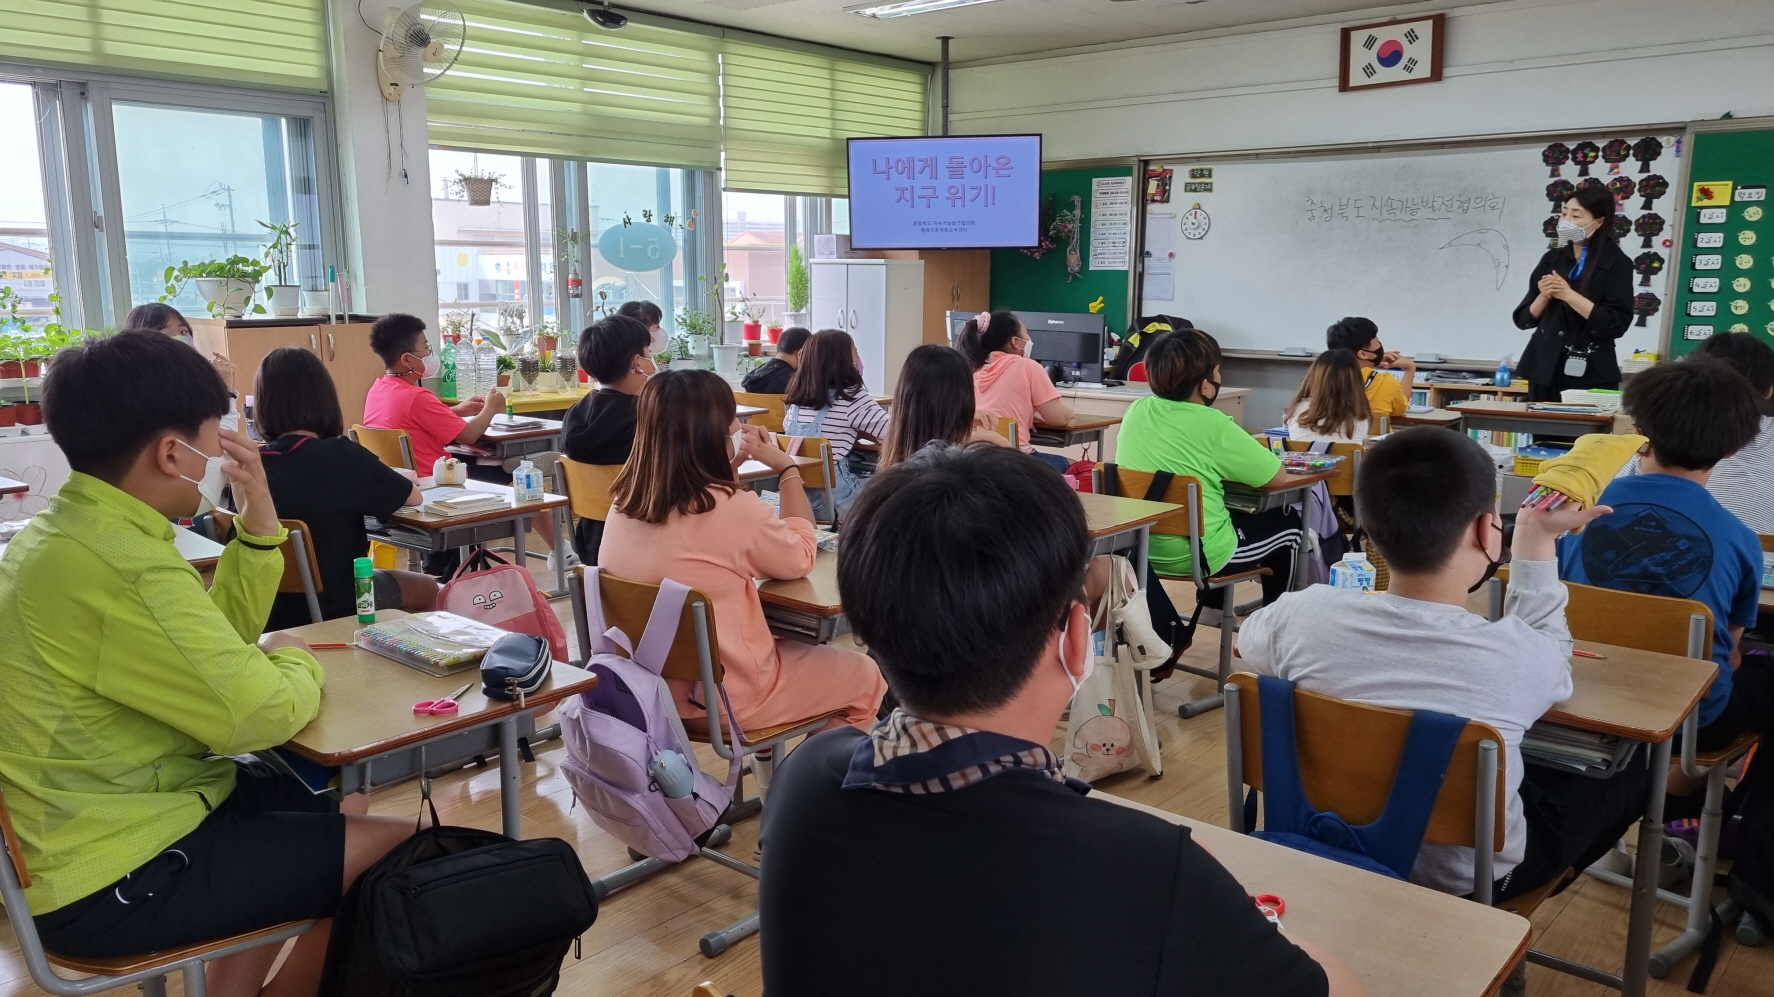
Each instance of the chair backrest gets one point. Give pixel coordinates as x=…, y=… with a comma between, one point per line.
x=588, y=487
x=1343, y=481
x=1628, y=619
x=1767, y=541
x=293, y=558
x=15, y=849
x=1007, y=428
x=1349, y=751
x=772, y=404
x=627, y=604
x=391, y=446
x=1183, y=490
x=815, y=476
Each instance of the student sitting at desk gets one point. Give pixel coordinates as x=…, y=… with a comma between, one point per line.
x=935, y=405
x=773, y=377
x=1331, y=405
x=681, y=514
x=163, y=317
x=648, y=314
x=942, y=852
x=1008, y=384
x=826, y=397
x=1669, y=536
x=599, y=428
x=1388, y=396
x=124, y=686
x=1428, y=496
x=319, y=476
x=1744, y=481
x=398, y=401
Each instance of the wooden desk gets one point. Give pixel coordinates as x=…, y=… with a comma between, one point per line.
x=1433, y=417
x=1083, y=429
x=1441, y=394
x=367, y=723
x=1290, y=490
x=745, y=413
x=546, y=401
x=10, y=487
x=1400, y=940
x=1515, y=417
x=756, y=475
x=201, y=551
x=809, y=608
x=511, y=444
x=1122, y=525
x=426, y=531
x=1767, y=598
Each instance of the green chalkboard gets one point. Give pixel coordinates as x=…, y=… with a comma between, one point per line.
x=1725, y=277
x=1022, y=283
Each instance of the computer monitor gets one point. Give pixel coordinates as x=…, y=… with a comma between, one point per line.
x=1072, y=340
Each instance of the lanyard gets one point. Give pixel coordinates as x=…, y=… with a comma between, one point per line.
x=1582, y=258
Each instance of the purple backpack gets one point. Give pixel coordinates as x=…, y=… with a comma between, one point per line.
x=613, y=732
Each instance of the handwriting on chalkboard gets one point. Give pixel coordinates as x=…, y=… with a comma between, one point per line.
x=1403, y=207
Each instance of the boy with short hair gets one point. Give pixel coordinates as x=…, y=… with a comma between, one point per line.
x=398, y=401
x=943, y=852
x=1427, y=498
x=772, y=378
x=1386, y=395
x=1668, y=535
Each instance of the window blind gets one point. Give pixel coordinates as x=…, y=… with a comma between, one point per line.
x=542, y=81
x=786, y=114
x=273, y=43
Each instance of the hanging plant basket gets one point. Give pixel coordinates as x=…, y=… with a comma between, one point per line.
x=479, y=190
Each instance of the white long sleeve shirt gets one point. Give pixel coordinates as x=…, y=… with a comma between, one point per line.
x=1405, y=654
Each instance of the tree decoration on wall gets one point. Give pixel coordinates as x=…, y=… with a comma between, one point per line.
x=1588, y=182
x=1650, y=226
x=1549, y=228
x=1068, y=226
x=1646, y=150
x=1622, y=227
x=1615, y=153
x=1621, y=188
x=1645, y=305
x=1584, y=154
x=1558, y=192
x=1651, y=188
x=1648, y=265
x=1555, y=155
x=1046, y=228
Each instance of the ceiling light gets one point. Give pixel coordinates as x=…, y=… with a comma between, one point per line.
x=604, y=17
x=909, y=7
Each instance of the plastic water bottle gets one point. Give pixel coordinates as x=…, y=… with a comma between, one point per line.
x=363, y=577
x=486, y=368
x=672, y=773
x=526, y=483
x=446, y=377
x=1503, y=377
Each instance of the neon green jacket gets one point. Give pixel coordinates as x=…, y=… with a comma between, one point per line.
x=122, y=680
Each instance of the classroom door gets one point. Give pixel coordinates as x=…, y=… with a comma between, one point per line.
x=866, y=319
x=829, y=307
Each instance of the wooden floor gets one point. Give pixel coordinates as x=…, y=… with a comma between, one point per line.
x=644, y=941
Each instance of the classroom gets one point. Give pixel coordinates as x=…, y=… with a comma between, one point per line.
x=789, y=498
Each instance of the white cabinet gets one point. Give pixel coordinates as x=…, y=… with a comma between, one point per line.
x=880, y=303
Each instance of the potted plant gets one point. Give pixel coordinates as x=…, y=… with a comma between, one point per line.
x=697, y=329
x=227, y=285
x=506, y=366
x=548, y=336
x=547, y=375
x=680, y=354
x=477, y=185
x=568, y=240
x=284, y=294
x=800, y=288
x=754, y=318
x=15, y=348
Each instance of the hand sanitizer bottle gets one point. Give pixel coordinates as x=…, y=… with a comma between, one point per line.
x=1503, y=377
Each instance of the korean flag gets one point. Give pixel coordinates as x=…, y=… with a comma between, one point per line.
x=1402, y=52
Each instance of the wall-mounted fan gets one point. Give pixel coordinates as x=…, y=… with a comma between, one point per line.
x=419, y=44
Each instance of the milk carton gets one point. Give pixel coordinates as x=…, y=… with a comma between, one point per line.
x=1354, y=571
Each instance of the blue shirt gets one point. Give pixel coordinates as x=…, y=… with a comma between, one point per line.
x=1669, y=536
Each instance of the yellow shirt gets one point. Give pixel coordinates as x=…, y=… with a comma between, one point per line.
x=1385, y=393
x=122, y=682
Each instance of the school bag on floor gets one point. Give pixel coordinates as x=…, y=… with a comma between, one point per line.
x=1110, y=728
x=619, y=734
x=489, y=589
x=460, y=912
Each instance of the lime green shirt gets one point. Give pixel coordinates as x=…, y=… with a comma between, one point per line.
x=1203, y=442
x=122, y=681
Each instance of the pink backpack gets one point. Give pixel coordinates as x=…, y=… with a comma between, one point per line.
x=489, y=589
x=614, y=733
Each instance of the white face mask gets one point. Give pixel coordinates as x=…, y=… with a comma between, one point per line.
x=1569, y=232
x=185, y=337
x=429, y=365
x=209, y=489
x=1089, y=662
x=738, y=441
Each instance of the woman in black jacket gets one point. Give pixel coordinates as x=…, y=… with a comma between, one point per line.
x=1579, y=302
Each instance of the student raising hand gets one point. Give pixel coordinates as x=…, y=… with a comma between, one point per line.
x=1537, y=529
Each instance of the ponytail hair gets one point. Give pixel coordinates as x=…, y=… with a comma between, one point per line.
x=978, y=344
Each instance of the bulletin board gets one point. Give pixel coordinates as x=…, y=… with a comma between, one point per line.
x=1725, y=273
x=1023, y=282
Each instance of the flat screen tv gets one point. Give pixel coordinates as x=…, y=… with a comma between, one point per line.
x=945, y=192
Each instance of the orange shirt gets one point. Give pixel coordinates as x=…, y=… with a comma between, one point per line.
x=1012, y=387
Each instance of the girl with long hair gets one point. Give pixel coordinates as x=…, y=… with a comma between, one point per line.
x=1331, y=403
x=826, y=397
x=934, y=405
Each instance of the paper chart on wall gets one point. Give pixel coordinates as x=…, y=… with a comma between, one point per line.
x=1111, y=222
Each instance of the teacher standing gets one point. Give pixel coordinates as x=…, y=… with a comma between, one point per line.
x=1579, y=302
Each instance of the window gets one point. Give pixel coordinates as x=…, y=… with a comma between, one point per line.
x=755, y=247
x=24, y=224
x=481, y=250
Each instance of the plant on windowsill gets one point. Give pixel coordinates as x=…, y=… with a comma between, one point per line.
x=681, y=358
x=284, y=294
x=506, y=363
x=227, y=285
x=547, y=375
x=477, y=185
x=800, y=287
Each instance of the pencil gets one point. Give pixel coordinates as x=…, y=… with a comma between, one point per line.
x=325, y=646
x=1579, y=652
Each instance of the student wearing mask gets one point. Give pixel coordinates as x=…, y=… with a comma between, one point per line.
x=599, y=428
x=681, y=514
x=398, y=401
x=163, y=317
x=1008, y=384
x=1331, y=404
x=125, y=688
x=1387, y=395
x=966, y=861
x=319, y=476
x=648, y=314
x=1579, y=302
x=934, y=405
x=826, y=397
x=772, y=378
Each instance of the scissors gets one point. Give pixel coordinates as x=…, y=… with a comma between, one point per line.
x=440, y=707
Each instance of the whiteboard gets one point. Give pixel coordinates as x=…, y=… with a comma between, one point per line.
x=1436, y=247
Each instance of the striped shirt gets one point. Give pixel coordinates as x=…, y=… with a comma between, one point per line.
x=845, y=419
x=1742, y=482
x=906, y=754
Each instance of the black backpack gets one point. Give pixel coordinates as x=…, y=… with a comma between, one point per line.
x=459, y=912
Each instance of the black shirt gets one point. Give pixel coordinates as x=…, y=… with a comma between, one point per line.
x=598, y=429
x=1012, y=886
x=1560, y=331
x=330, y=485
x=770, y=379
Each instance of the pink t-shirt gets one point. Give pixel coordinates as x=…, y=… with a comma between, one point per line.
x=395, y=404
x=1010, y=387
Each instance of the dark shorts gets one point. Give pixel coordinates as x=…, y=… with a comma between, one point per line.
x=387, y=589
x=272, y=852
x=1573, y=819
x=1751, y=706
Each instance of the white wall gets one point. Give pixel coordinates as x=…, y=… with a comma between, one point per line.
x=386, y=217
x=1513, y=66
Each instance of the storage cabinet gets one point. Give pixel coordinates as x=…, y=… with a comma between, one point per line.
x=880, y=303
x=954, y=280
x=343, y=347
